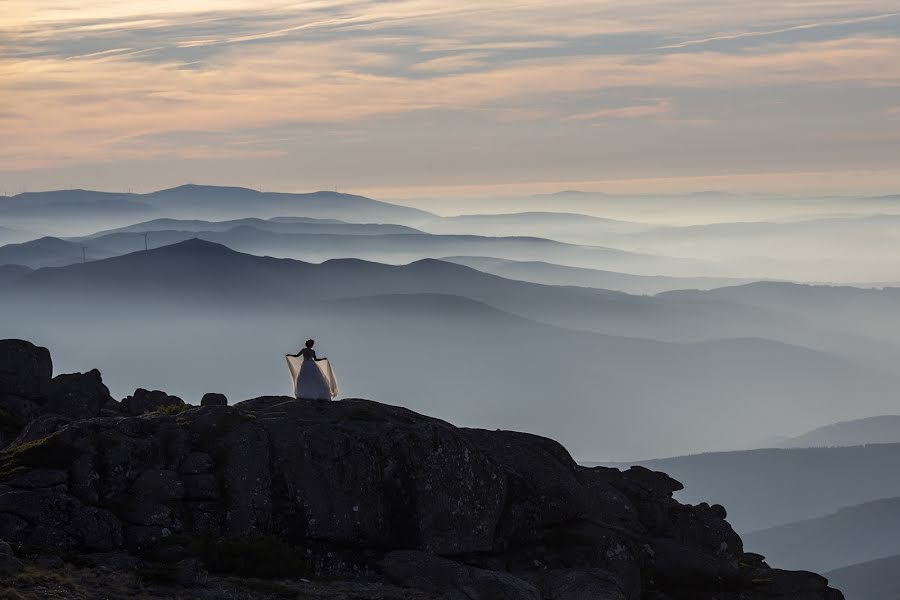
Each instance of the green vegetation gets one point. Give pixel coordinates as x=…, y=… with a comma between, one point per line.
x=44, y=453
x=170, y=409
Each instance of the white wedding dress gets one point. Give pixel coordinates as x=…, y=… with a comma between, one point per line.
x=313, y=379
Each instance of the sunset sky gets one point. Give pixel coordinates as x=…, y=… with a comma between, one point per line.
x=431, y=97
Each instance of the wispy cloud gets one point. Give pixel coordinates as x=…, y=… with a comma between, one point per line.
x=100, y=81
x=771, y=32
x=657, y=108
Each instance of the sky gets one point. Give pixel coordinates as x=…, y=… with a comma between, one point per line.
x=423, y=97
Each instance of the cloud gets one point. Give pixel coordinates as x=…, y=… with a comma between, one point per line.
x=452, y=63
x=625, y=112
x=99, y=81
x=772, y=32
x=331, y=83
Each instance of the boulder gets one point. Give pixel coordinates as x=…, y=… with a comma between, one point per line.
x=78, y=395
x=25, y=369
x=147, y=401
x=213, y=399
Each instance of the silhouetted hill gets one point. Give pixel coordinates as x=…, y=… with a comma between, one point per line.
x=553, y=274
x=677, y=318
x=275, y=225
x=74, y=210
x=71, y=202
x=49, y=252
x=883, y=429
x=865, y=320
x=242, y=202
x=384, y=247
x=598, y=310
x=851, y=535
x=198, y=307
x=873, y=580
x=771, y=487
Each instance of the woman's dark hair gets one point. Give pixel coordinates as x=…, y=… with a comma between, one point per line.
x=310, y=343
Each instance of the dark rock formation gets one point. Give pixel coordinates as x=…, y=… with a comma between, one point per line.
x=368, y=492
x=79, y=396
x=34, y=404
x=146, y=401
x=213, y=399
x=25, y=369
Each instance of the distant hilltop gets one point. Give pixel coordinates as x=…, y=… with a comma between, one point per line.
x=200, y=201
x=392, y=503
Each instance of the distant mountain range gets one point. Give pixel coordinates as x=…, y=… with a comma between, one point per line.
x=78, y=212
x=883, y=429
x=274, y=225
x=873, y=580
x=758, y=310
x=851, y=535
x=567, y=227
x=318, y=242
x=196, y=312
x=665, y=208
x=50, y=252
x=771, y=487
x=553, y=274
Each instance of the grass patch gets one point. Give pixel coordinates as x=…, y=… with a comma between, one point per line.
x=44, y=453
x=169, y=409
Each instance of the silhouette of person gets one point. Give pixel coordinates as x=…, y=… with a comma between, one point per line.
x=311, y=380
x=307, y=351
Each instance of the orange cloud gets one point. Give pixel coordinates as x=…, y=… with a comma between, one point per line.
x=79, y=110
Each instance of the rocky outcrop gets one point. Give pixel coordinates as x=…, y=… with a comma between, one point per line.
x=213, y=399
x=369, y=492
x=25, y=369
x=34, y=404
x=146, y=401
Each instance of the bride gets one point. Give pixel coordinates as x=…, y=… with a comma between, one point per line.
x=313, y=377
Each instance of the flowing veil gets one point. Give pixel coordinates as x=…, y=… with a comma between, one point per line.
x=296, y=362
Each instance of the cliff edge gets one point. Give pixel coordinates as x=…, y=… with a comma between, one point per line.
x=347, y=499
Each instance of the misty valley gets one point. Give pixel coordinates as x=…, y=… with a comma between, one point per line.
x=754, y=361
